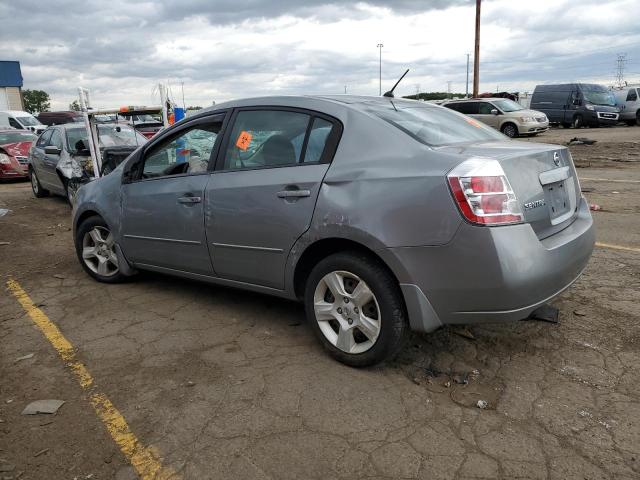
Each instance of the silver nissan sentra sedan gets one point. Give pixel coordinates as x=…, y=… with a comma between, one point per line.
x=382, y=215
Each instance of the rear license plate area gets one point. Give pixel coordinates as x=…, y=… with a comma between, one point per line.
x=557, y=198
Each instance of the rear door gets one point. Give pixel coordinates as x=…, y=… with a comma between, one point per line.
x=163, y=204
x=48, y=175
x=262, y=196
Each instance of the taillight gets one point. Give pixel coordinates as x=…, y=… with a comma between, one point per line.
x=483, y=193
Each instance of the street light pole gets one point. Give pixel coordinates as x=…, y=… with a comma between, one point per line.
x=467, y=92
x=476, y=57
x=380, y=45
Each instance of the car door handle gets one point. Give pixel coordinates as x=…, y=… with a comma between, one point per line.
x=294, y=193
x=189, y=200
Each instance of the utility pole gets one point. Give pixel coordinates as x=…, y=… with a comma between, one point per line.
x=345, y=89
x=476, y=56
x=467, y=92
x=380, y=45
x=448, y=88
x=620, y=62
x=184, y=105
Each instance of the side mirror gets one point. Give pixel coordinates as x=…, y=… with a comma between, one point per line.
x=576, y=101
x=494, y=111
x=52, y=150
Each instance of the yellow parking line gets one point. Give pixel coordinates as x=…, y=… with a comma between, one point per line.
x=143, y=459
x=608, y=180
x=617, y=247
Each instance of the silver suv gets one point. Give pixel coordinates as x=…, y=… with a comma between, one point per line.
x=382, y=215
x=503, y=114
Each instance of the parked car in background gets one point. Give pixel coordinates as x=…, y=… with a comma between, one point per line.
x=60, y=162
x=14, y=151
x=61, y=117
x=628, y=100
x=146, y=124
x=20, y=121
x=502, y=114
x=382, y=215
x=576, y=104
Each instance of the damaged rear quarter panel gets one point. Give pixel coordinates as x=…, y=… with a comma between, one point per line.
x=383, y=189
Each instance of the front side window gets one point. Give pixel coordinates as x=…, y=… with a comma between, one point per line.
x=433, y=125
x=266, y=138
x=632, y=96
x=14, y=123
x=44, y=138
x=485, y=108
x=189, y=152
x=56, y=140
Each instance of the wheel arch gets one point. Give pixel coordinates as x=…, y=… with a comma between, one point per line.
x=509, y=122
x=322, y=248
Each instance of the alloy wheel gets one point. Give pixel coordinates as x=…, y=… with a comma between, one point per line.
x=347, y=312
x=98, y=252
x=510, y=131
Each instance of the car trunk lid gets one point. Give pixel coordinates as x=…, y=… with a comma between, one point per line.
x=542, y=176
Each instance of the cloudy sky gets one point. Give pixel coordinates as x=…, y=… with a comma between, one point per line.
x=224, y=49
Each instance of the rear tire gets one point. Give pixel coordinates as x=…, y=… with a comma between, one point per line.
x=36, y=187
x=578, y=121
x=630, y=123
x=356, y=309
x=95, y=247
x=510, y=130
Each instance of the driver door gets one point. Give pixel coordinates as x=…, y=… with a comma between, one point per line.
x=163, y=216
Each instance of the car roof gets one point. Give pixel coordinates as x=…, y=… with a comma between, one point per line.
x=314, y=102
x=482, y=99
x=17, y=113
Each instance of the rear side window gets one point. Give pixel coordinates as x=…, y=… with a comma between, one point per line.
x=435, y=126
x=274, y=138
x=632, y=96
x=468, y=108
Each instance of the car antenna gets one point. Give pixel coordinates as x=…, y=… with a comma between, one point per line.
x=390, y=92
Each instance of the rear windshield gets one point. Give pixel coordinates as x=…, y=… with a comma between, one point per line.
x=435, y=126
x=110, y=135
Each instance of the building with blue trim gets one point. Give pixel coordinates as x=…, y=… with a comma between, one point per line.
x=10, y=85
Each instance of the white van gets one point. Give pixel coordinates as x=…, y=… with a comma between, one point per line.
x=628, y=100
x=21, y=121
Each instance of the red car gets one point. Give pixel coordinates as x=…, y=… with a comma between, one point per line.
x=14, y=153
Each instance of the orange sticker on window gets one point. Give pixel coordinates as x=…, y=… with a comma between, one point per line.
x=244, y=140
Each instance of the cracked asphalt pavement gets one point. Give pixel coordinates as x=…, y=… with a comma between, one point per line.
x=222, y=383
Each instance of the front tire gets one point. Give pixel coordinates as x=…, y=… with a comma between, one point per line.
x=36, y=187
x=95, y=247
x=510, y=130
x=355, y=308
x=578, y=121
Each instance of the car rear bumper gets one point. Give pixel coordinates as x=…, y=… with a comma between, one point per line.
x=492, y=274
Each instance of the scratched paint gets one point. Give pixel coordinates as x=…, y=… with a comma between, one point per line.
x=144, y=460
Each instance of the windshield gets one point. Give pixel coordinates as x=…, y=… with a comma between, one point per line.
x=435, y=126
x=28, y=121
x=598, y=95
x=15, y=137
x=110, y=136
x=507, y=105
